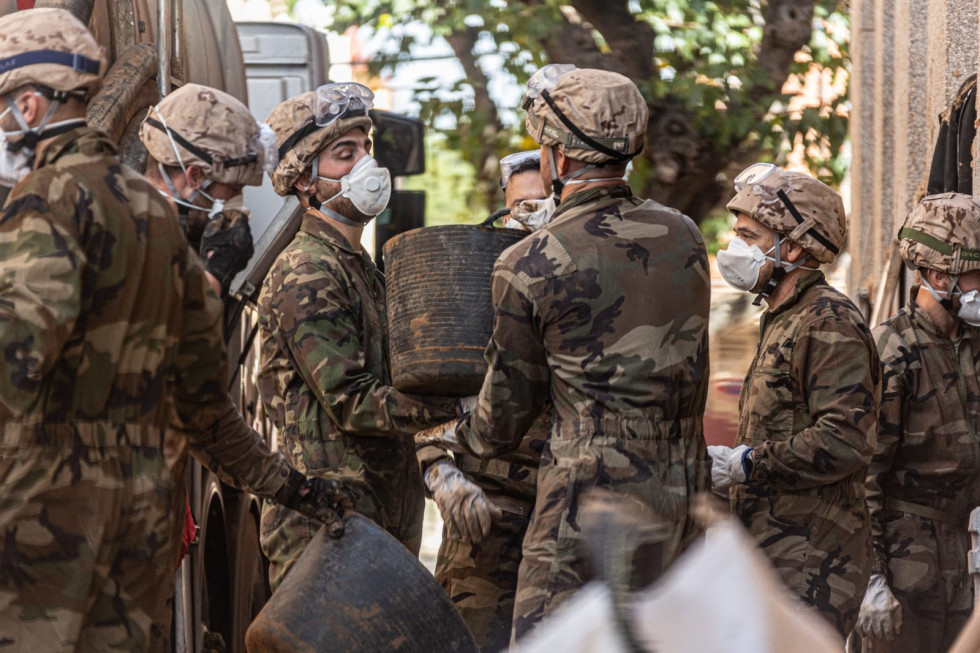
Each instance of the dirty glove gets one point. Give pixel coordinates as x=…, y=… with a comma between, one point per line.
x=466, y=405
x=465, y=509
x=881, y=613
x=323, y=499
x=226, y=247
x=729, y=466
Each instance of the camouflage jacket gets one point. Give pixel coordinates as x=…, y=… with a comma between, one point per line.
x=928, y=451
x=324, y=375
x=110, y=333
x=810, y=399
x=575, y=322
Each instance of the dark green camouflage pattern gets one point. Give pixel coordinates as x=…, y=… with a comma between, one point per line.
x=113, y=366
x=809, y=408
x=604, y=312
x=324, y=378
x=928, y=455
x=481, y=579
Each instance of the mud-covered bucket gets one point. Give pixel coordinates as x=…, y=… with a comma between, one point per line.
x=440, y=313
x=361, y=593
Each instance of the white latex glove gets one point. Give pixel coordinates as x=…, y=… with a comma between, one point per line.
x=729, y=466
x=881, y=613
x=465, y=509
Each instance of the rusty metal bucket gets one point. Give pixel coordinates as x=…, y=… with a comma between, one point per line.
x=363, y=593
x=440, y=313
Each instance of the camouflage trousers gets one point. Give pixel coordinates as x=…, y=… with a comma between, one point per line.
x=927, y=573
x=821, y=549
x=481, y=579
x=86, y=554
x=663, y=472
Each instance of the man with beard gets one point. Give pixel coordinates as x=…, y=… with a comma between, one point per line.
x=324, y=374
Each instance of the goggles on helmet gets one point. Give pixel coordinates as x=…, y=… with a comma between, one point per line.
x=540, y=86
x=516, y=161
x=757, y=172
x=331, y=102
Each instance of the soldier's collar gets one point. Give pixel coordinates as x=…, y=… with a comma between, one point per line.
x=320, y=229
x=82, y=139
x=581, y=197
x=803, y=282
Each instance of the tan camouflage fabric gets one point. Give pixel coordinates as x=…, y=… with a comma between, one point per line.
x=113, y=364
x=604, y=311
x=325, y=379
x=603, y=104
x=481, y=579
x=820, y=207
x=291, y=116
x=809, y=407
x=48, y=29
x=213, y=122
x=927, y=458
x=942, y=233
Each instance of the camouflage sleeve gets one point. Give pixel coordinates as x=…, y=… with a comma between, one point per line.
x=518, y=383
x=203, y=410
x=894, y=382
x=322, y=337
x=838, y=372
x=40, y=279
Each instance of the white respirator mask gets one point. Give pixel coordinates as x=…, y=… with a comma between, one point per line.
x=367, y=186
x=14, y=166
x=740, y=264
x=969, y=311
x=533, y=214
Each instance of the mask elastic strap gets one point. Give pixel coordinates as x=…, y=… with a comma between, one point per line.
x=311, y=196
x=338, y=217
x=945, y=301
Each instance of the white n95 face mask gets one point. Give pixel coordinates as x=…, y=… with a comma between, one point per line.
x=14, y=166
x=367, y=186
x=534, y=214
x=740, y=264
x=970, y=308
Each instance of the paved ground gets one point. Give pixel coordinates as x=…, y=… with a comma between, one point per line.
x=431, y=535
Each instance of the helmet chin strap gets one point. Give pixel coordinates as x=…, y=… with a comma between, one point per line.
x=779, y=272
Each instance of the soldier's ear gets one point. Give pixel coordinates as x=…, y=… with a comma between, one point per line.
x=302, y=182
x=938, y=280
x=794, y=252
x=195, y=177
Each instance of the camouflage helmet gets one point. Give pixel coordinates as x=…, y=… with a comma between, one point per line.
x=51, y=48
x=300, y=137
x=202, y=126
x=794, y=205
x=595, y=116
x=942, y=233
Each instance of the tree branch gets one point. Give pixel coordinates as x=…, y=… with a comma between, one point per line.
x=629, y=39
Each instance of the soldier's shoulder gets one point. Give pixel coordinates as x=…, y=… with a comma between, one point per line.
x=540, y=256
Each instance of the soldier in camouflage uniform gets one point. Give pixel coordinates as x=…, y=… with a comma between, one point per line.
x=204, y=146
x=324, y=374
x=479, y=569
x=603, y=311
x=810, y=400
x=111, y=337
x=924, y=477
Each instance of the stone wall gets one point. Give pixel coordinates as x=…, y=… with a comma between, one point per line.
x=908, y=60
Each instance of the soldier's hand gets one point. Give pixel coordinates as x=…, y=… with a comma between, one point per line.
x=465, y=509
x=226, y=247
x=881, y=613
x=324, y=499
x=729, y=466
